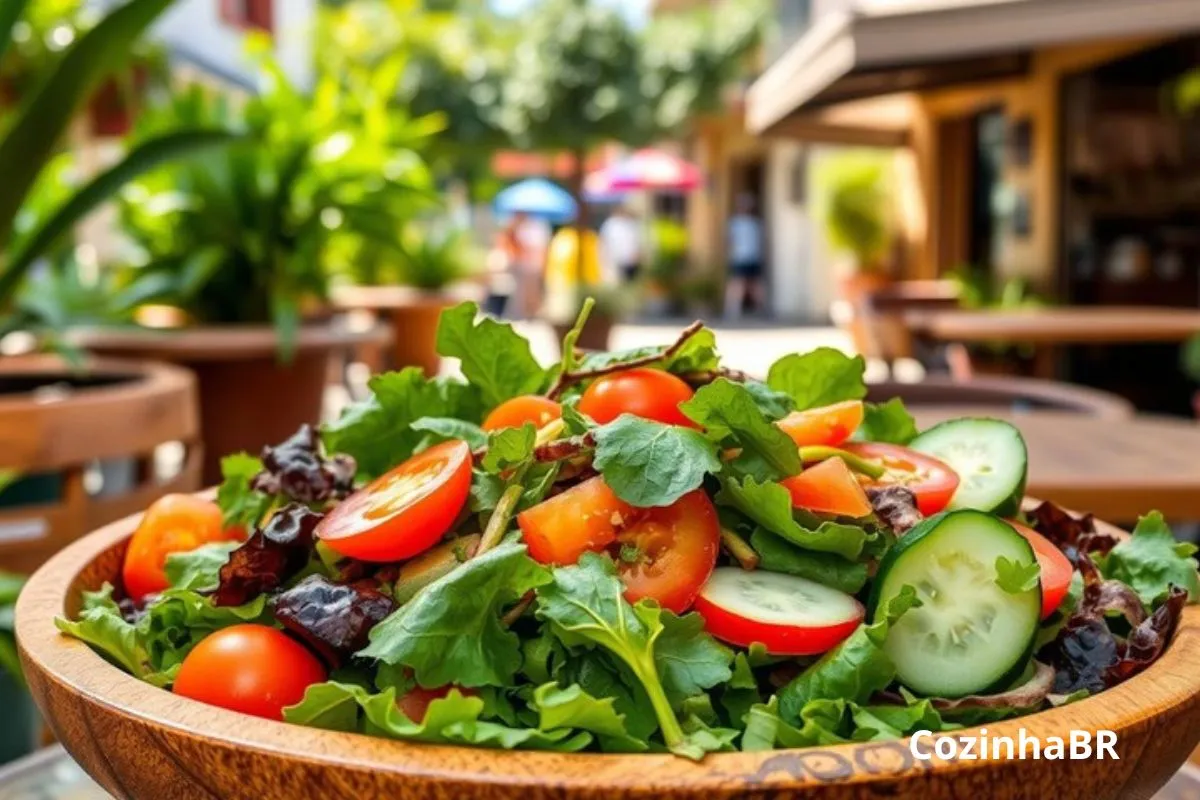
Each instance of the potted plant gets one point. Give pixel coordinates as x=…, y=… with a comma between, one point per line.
x=855, y=206
x=410, y=284
x=237, y=243
x=37, y=214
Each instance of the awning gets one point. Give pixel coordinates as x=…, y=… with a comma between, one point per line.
x=875, y=47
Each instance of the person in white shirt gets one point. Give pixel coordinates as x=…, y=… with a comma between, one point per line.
x=621, y=243
x=745, y=259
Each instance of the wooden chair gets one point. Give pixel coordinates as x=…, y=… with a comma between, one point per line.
x=888, y=338
x=60, y=429
x=1006, y=393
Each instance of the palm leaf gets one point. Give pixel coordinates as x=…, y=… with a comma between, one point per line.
x=145, y=156
x=42, y=120
x=10, y=11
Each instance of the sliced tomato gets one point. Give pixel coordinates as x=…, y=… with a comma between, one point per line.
x=584, y=518
x=828, y=425
x=406, y=511
x=932, y=481
x=790, y=616
x=175, y=523
x=1055, y=566
x=829, y=488
x=667, y=554
x=527, y=408
x=662, y=553
x=416, y=701
x=643, y=392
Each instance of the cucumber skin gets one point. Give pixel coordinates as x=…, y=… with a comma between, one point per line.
x=919, y=532
x=1011, y=505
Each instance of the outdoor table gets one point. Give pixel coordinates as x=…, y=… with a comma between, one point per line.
x=1052, y=328
x=1116, y=469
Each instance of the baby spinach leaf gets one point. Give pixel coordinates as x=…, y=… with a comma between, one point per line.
x=776, y=554
x=689, y=661
x=199, y=569
x=1151, y=560
x=698, y=354
x=649, y=464
x=887, y=422
x=770, y=505
x=508, y=447
x=729, y=414
x=451, y=631
x=819, y=378
x=378, y=431
x=495, y=358
x=774, y=405
x=444, y=428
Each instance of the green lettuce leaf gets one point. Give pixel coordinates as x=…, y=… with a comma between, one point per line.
x=495, y=358
x=106, y=631
x=647, y=463
x=451, y=632
x=688, y=660
x=819, y=378
x=774, y=405
x=729, y=415
x=854, y=670
x=509, y=447
x=770, y=505
x=378, y=431
x=241, y=505
x=572, y=707
x=887, y=422
x=177, y=621
x=776, y=554
x=199, y=569
x=1152, y=560
x=741, y=693
x=444, y=428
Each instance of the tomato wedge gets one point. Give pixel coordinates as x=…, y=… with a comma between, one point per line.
x=404, y=512
x=527, y=408
x=1056, y=568
x=827, y=425
x=643, y=392
x=790, y=616
x=932, y=481
x=662, y=553
x=829, y=488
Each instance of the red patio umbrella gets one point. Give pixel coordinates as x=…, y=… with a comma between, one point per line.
x=648, y=169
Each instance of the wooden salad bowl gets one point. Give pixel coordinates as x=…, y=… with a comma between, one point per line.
x=145, y=743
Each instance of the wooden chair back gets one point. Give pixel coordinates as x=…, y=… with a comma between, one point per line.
x=61, y=428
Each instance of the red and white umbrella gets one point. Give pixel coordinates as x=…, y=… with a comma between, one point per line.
x=648, y=169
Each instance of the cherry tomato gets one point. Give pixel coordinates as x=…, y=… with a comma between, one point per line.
x=643, y=392
x=663, y=553
x=527, y=408
x=404, y=512
x=932, y=481
x=254, y=669
x=175, y=523
x=416, y=701
x=828, y=425
x=667, y=554
x=790, y=616
x=829, y=488
x=584, y=518
x=1056, y=568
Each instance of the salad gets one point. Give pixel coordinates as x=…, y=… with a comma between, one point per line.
x=628, y=552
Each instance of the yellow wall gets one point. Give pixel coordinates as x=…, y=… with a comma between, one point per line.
x=1034, y=97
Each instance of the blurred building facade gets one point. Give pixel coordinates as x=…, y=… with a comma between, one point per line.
x=1040, y=135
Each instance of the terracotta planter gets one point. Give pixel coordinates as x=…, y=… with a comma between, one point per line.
x=248, y=397
x=57, y=423
x=144, y=743
x=413, y=316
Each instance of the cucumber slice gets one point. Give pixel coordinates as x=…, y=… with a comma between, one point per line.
x=969, y=634
x=990, y=458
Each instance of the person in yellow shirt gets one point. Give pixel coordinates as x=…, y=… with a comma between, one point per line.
x=567, y=275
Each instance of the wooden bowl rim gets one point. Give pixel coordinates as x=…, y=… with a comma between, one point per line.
x=1169, y=685
x=220, y=342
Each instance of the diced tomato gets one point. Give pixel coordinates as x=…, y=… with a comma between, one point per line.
x=175, y=523
x=828, y=425
x=584, y=518
x=1055, y=567
x=527, y=408
x=829, y=488
x=406, y=511
x=643, y=392
x=932, y=481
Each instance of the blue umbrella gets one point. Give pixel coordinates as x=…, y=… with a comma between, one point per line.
x=538, y=198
